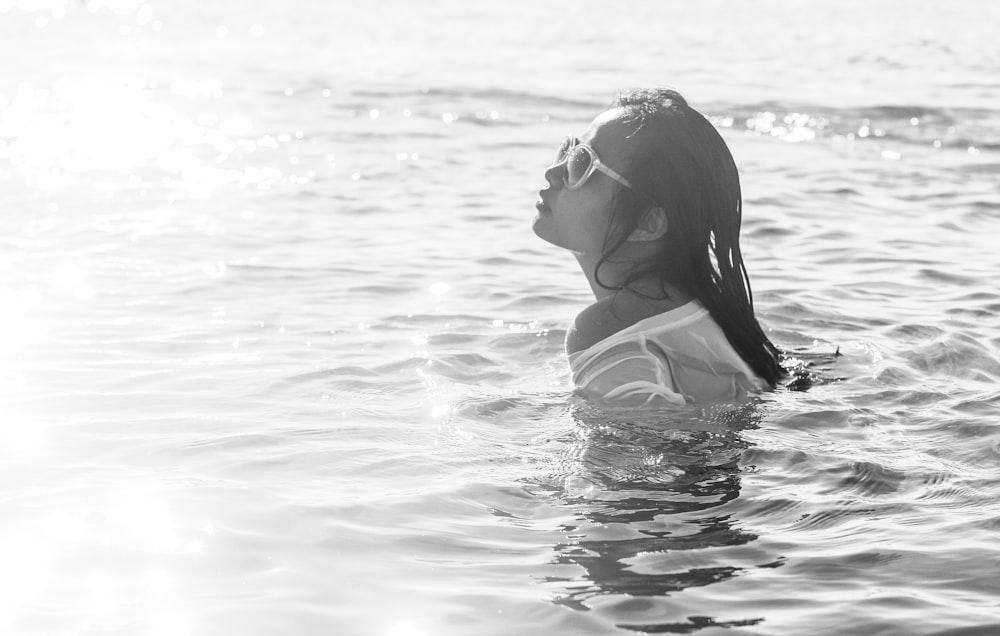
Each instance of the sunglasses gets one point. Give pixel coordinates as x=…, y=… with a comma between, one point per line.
x=581, y=161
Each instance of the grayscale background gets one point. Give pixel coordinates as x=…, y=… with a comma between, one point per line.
x=280, y=354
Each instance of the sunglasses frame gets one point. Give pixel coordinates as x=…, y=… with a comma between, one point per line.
x=572, y=144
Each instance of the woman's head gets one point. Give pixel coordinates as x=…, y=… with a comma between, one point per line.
x=684, y=192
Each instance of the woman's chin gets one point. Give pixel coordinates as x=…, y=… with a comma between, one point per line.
x=543, y=229
x=538, y=226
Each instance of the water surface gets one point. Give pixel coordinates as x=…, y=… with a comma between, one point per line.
x=280, y=353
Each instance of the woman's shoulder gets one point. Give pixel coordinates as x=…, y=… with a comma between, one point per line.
x=612, y=314
x=595, y=323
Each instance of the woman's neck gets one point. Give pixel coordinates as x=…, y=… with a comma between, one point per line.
x=615, y=275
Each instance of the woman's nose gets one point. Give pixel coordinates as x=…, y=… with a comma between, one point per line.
x=553, y=174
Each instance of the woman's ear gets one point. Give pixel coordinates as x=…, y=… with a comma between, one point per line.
x=652, y=225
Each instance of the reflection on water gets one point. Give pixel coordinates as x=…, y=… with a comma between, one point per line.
x=648, y=493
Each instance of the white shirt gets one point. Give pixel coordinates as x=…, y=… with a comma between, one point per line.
x=677, y=357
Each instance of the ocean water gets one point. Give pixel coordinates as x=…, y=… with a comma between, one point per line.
x=280, y=354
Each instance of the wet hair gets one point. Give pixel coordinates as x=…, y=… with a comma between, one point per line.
x=682, y=165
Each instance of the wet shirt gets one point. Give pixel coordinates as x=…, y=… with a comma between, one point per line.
x=674, y=358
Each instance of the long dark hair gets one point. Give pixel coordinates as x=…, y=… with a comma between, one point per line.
x=682, y=165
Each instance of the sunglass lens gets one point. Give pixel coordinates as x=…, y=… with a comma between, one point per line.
x=577, y=165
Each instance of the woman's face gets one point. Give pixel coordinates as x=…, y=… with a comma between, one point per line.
x=578, y=220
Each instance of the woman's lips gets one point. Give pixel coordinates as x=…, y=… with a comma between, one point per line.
x=541, y=205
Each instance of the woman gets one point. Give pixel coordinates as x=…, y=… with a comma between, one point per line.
x=648, y=200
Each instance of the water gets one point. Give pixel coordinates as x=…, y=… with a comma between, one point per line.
x=280, y=353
